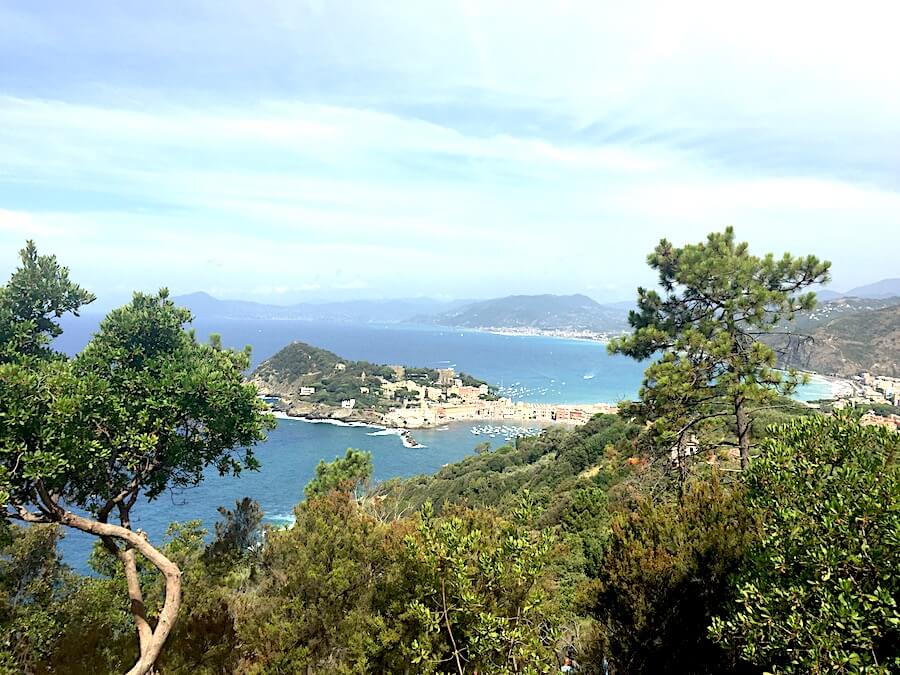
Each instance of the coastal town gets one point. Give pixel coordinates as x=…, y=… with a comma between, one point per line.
x=456, y=403
x=420, y=405
x=306, y=382
x=879, y=393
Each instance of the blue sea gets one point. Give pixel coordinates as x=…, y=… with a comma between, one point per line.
x=531, y=368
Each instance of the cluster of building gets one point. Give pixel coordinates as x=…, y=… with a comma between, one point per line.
x=452, y=401
x=871, y=418
x=869, y=388
x=449, y=387
x=449, y=400
x=428, y=414
x=874, y=389
x=885, y=388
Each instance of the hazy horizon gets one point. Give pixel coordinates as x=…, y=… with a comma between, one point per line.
x=285, y=152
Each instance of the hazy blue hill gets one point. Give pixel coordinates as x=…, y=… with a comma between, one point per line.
x=206, y=306
x=879, y=290
x=826, y=295
x=843, y=306
x=886, y=288
x=546, y=312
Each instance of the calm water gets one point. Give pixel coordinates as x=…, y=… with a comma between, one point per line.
x=288, y=460
x=526, y=368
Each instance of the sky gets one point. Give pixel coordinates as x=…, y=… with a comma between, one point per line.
x=286, y=151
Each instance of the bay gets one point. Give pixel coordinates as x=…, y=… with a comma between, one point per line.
x=532, y=368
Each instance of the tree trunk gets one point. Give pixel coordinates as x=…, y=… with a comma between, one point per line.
x=742, y=422
x=151, y=641
x=135, y=595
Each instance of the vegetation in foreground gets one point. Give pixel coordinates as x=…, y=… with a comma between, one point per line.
x=581, y=543
x=509, y=573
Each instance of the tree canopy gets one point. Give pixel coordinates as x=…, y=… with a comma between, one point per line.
x=143, y=408
x=344, y=473
x=820, y=590
x=717, y=301
x=37, y=294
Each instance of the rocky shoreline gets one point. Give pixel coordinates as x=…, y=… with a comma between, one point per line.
x=324, y=414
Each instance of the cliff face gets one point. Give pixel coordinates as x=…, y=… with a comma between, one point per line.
x=849, y=344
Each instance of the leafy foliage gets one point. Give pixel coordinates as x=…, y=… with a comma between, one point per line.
x=346, y=473
x=51, y=619
x=819, y=592
x=143, y=407
x=665, y=574
x=548, y=466
x=330, y=594
x=238, y=531
x=37, y=294
x=477, y=597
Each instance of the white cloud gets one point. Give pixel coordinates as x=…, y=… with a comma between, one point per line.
x=26, y=225
x=477, y=146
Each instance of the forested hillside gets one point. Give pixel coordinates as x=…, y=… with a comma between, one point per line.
x=848, y=342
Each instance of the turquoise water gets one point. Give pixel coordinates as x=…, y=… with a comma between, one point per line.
x=525, y=367
x=288, y=458
x=532, y=368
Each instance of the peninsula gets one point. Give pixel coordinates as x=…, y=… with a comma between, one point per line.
x=312, y=383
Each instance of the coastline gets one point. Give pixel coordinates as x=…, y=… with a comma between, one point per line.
x=559, y=333
x=405, y=435
x=841, y=387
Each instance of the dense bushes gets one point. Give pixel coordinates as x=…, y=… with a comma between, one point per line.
x=665, y=574
x=819, y=592
x=342, y=591
x=570, y=541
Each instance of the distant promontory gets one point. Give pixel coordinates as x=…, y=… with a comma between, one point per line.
x=575, y=314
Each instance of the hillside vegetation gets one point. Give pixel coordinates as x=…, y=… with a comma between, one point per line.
x=849, y=342
x=335, y=379
x=633, y=544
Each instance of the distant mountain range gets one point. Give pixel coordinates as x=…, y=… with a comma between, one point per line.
x=853, y=331
x=206, y=306
x=540, y=312
x=886, y=288
x=577, y=312
x=841, y=307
